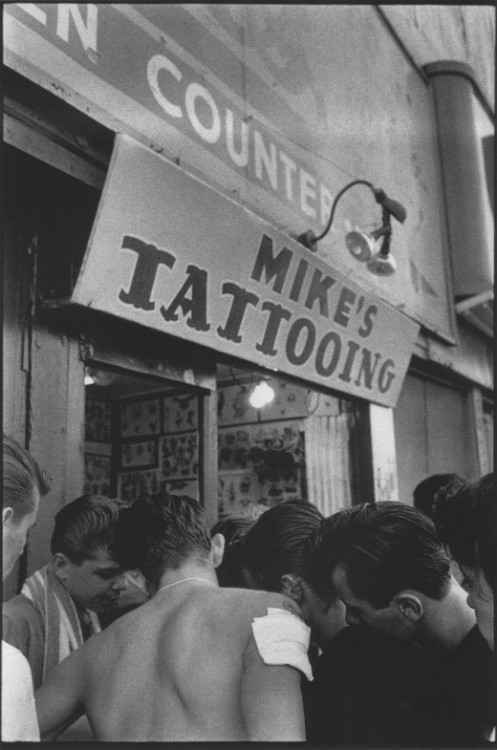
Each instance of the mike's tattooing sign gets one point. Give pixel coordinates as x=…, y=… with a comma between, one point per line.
x=170, y=253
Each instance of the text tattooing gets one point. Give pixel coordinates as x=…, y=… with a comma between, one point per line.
x=291, y=297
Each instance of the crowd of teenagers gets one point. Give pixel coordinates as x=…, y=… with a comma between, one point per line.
x=372, y=627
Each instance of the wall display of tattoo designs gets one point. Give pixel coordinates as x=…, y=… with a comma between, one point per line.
x=140, y=418
x=98, y=448
x=97, y=475
x=98, y=421
x=166, y=455
x=179, y=456
x=261, y=451
x=141, y=454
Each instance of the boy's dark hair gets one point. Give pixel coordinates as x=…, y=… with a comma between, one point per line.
x=160, y=532
x=274, y=545
x=233, y=528
x=386, y=547
x=425, y=492
x=22, y=474
x=466, y=522
x=82, y=526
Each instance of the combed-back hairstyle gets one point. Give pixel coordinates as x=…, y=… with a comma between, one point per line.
x=466, y=520
x=233, y=528
x=274, y=545
x=425, y=492
x=385, y=547
x=161, y=532
x=83, y=526
x=22, y=474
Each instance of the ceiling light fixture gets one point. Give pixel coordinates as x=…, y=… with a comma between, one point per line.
x=103, y=378
x=359, y=244
x=89, y=379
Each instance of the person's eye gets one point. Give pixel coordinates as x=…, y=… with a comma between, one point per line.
x=466, y=584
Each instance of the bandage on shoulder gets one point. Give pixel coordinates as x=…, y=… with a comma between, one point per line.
x=282, y=638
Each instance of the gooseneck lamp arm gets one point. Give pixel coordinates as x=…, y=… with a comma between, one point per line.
x=389, y=206
x=333, y=207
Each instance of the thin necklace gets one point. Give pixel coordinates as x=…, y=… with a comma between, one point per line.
x=183, y=580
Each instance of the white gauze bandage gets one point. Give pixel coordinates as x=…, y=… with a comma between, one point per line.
x=283, y=638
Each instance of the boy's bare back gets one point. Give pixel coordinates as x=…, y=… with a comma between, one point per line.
x=184, y=667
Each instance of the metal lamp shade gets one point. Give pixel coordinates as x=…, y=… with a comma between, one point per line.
x=360, y=245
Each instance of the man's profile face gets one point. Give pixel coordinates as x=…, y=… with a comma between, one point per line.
x=388, y=621
x=15, y=532
x=96, y=583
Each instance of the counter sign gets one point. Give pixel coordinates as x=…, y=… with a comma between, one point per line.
x=170, y=253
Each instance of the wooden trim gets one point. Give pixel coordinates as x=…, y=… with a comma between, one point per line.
x=362, y=474
x=476, y=299
x=37, y=144
x=208, y=460
x=115, y=344
x=483, y=460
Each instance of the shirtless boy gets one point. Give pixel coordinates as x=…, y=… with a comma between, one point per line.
x=196, y=662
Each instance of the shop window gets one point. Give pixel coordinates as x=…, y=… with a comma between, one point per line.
x=140, y=437
x=296, y=447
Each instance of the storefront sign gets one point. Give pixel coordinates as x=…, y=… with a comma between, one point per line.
x=170, y=253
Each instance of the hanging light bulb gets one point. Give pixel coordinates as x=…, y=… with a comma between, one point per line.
x=89, y=379
x=103, y=378
x=262, y=395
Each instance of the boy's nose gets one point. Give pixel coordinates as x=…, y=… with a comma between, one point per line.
x=120, y=583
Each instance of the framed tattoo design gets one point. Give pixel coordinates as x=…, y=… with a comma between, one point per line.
x=139, y=454
x=97, y=475
x=97, y=421
x=140, y=418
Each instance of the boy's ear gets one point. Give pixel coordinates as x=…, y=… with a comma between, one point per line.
x=409, y=605
x=293, y=587
x=7, y=515
x=60, y=565
x=218, y=543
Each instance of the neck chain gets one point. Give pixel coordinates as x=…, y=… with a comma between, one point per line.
x=183, y=580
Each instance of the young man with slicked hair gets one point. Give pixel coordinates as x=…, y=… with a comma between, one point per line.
x=391, y=571
x=57, y=608
x=366, y=692
x=24, y=484
x=208, y=663
x=466, y=521
x=271, y=558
